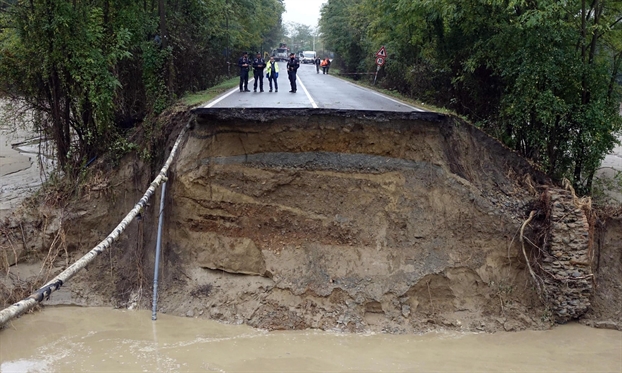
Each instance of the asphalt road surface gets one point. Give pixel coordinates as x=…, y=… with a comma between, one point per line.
x=314, y=91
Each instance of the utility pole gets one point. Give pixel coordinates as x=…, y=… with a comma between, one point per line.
x=315, y=34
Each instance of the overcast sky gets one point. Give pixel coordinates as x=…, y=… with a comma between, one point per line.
x=306, y=12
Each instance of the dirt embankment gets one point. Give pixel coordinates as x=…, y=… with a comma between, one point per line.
x=605, y=310
x=330, y=219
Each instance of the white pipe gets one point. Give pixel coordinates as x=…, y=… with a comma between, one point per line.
x=154, y=316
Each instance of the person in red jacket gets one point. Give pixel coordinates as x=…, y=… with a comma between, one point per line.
x=326, y=65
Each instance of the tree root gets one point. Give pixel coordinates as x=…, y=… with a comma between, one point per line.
x=522, y=241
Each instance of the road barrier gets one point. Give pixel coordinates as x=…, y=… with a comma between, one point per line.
x=45, y=291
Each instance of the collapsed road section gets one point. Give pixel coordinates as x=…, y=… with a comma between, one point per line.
x=348, y=220
x=289, y=219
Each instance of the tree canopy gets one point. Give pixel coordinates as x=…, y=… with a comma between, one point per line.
x=299, y=37
x=87, y=68
x=540, y=75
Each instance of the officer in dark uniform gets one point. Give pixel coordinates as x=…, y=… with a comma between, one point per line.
x=244, y=64
x=292, y=67
x=317, y=63
x=258, y=65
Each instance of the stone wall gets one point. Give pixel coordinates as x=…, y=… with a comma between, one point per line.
x=566, y=263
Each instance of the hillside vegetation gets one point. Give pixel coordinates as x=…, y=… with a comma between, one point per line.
x=542, y=75
x=88, y=70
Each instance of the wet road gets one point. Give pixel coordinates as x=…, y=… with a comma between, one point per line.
x=314, y=91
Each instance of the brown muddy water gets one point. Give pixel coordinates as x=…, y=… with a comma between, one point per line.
x=21, y=169
x=70, y=339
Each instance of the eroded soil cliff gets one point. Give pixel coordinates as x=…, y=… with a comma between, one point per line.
x=323, y=219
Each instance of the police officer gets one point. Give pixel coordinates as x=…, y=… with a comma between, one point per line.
x=258, y=65
x=317, y=63
x=244, y=64
x=292, y=67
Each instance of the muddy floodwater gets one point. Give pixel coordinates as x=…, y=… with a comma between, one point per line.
x=21, y=170
x=68, y=339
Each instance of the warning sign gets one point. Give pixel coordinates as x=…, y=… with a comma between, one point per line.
x=380, y=61
x=382, y=52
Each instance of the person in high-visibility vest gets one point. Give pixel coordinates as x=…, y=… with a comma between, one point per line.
x=325, y=64
x=272, y=73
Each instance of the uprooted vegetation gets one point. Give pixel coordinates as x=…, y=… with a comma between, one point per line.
x=355, y=221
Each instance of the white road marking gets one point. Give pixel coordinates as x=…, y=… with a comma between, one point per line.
x=383, y=96
x=218, y=99
x=313, y=104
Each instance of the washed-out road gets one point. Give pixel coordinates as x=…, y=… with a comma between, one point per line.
x=329, y=92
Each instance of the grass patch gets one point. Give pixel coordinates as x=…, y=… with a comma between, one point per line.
x=196, y=98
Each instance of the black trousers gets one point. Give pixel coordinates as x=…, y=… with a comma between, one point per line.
x=271, y=78
x=317, y=68
x=258, y=75
x=292, y=80
x=243, y=80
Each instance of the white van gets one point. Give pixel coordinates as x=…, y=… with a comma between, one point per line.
x=308, y=57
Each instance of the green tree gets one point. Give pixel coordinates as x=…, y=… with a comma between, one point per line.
x=539, y=75
x=88, y=68
x=560, y=104
x=59, y=56
x=299, y=36
x=343, y=24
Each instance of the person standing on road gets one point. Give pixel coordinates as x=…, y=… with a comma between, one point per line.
x=272, y=73
x=244, y=64
x=317, y=63
x=292, y=68
x=323, y=65
x=327, y=65
x=258, y=65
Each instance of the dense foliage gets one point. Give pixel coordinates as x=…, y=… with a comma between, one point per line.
x=299, y=37
x=90, y=68
x=541, y=75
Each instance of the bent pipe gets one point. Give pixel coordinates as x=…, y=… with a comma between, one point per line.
x=46, y=290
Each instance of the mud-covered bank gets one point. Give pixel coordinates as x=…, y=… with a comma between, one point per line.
x=330, y=219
